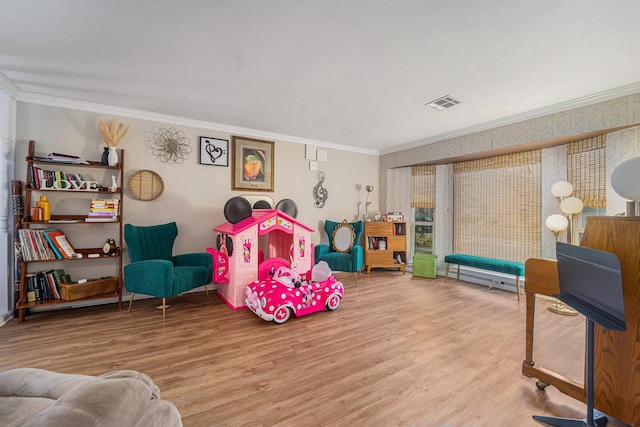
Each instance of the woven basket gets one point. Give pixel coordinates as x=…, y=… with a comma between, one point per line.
x=74, y=291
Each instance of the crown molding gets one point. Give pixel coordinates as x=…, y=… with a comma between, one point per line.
x=529, y=115
x=53, y=101
x=7, y=87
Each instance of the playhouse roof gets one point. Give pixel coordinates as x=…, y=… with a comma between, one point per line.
x=272, y=217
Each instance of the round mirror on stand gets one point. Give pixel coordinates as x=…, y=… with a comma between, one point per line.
x=343, y=237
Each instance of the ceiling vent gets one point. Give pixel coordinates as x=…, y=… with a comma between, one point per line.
x=443, y=102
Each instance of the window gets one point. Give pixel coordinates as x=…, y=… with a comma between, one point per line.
x=422, y=236
x=423, y=206
x=497, y=206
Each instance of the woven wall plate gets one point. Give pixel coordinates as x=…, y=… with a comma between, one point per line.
x=146, y=185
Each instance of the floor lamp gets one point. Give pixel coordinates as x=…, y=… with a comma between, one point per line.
x=557, y=223
x=569, y=206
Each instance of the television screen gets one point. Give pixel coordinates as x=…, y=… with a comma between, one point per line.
x=591, y=283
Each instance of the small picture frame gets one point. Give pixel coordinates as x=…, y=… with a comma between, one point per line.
x=252, y=164
x=214, y=151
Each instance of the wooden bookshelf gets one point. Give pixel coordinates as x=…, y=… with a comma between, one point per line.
x=68, y=223
x=386, y=245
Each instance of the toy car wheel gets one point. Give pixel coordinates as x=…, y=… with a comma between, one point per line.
x=281, y=314
x=333, y=302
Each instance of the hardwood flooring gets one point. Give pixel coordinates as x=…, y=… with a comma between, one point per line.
x=398, y=351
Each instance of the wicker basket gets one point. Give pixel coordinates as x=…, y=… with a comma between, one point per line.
x=74, y=291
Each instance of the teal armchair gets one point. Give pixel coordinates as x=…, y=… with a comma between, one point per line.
x=155, y=271
x=349, y=260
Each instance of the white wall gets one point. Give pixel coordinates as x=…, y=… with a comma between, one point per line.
x=194, y=195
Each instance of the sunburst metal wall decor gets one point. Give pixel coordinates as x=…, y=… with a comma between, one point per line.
x=169, y=145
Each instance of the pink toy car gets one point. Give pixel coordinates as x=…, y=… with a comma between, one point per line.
x=285, y=293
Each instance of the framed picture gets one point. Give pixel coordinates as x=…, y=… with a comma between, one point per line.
x=214, y=151
x=252, y=164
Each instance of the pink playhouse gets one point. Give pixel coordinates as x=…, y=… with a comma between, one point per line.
x=249, y=249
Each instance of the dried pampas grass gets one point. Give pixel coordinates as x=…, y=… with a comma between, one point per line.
x=113, y=134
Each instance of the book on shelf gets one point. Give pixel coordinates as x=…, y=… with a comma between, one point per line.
x=102, y=213
x=37, y=289
x=101, y=219
x=61, y=158
x=105, y=205
x=47, y=250
x=42, y=178
x=103, y=210
x=54, y=290
x=29, y=283
x=45, y=285
x=63, y=245
x=27, y=245
x=44, y=245
x=61, y=277
x=53, y=246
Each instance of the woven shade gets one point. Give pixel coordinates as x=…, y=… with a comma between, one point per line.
x=586, y=170
x=497, y=206
x=423, y=182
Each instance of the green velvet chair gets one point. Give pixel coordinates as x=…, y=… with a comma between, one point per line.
x=349, y=260
x=155, y=271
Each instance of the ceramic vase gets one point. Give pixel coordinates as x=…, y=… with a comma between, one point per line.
x=105, y=156
x=113, y=156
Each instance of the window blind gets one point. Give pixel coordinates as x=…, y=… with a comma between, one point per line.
x=423, y=182
x=586, y=170
x=497, y=206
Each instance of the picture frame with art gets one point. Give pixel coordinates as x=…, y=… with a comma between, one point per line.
x=252, y=164
x=214, y=151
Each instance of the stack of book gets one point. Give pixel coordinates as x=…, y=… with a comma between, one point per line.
x=42, y=178
x=45, y=285
x=103, y=210
x=43, y=245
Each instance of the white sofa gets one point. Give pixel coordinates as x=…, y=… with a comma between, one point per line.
x=35, y=397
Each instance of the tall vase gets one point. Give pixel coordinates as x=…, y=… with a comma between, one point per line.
x=113, y=156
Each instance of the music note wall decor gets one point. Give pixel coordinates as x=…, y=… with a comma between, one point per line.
x=214, y=151
x=320, y=194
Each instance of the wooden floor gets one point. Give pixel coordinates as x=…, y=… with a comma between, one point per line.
x=398, y=351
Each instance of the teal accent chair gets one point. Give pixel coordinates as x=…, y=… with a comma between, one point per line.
x=348, y=261
x=155, y=271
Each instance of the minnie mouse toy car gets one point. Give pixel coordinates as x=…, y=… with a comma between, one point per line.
x=285, y=293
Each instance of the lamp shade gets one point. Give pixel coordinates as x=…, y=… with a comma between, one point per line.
x=625, y=179
x=562, y=189
x=571, y=205
x=557, y=223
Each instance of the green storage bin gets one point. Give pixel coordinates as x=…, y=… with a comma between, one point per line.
x=425, y=265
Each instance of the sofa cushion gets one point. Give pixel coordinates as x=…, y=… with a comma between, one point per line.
x=35, y=397
x=187, y=278
x=339, y=261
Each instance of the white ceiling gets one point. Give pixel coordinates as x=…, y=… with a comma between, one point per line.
x=356, y=73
